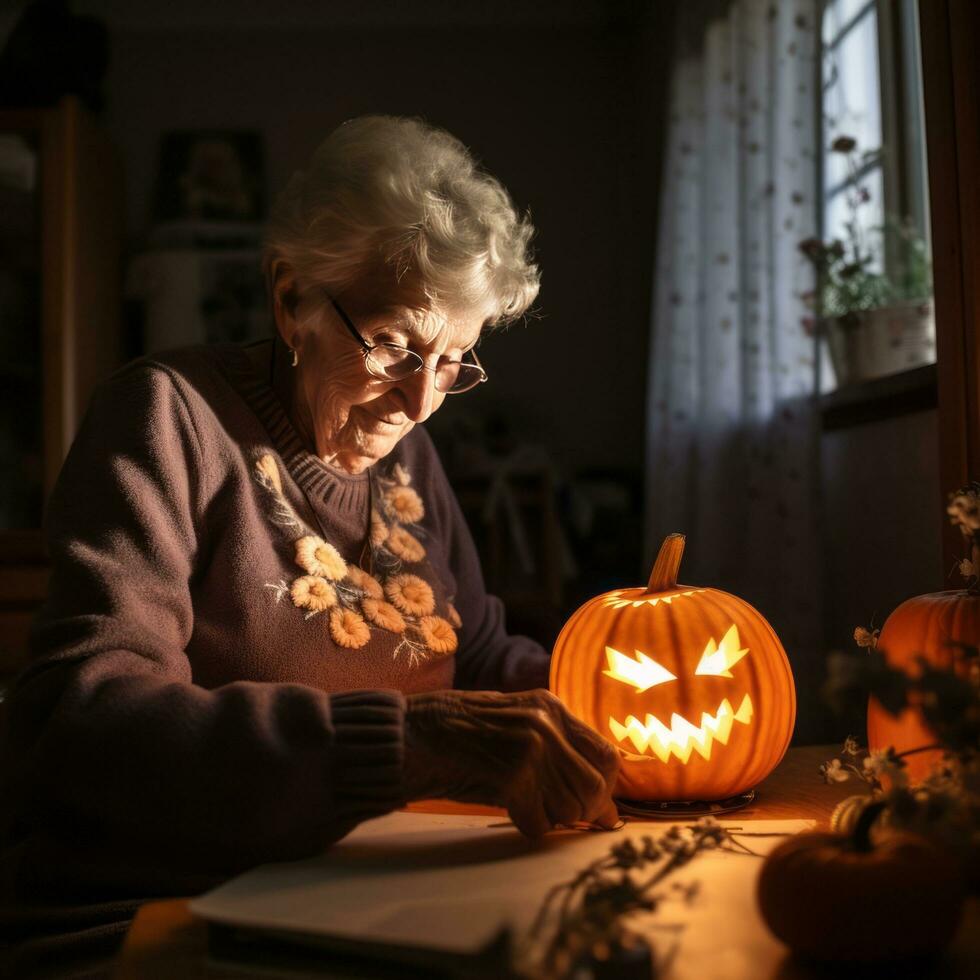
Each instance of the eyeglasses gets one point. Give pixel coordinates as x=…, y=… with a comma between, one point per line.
x=392, y=362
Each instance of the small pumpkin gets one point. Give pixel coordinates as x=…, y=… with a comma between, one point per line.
x=923, y=626
x=691, y=685
x=846, y=814
x=837, y=897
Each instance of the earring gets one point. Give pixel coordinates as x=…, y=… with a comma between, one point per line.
x=295, y=354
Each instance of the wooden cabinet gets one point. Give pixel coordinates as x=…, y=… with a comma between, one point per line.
x=60, y=324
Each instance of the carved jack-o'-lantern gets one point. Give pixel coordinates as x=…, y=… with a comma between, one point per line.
x=692, y=686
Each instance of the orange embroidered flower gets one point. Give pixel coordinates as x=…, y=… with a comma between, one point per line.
x=406, y=504
x=348, y=629
x=454, y=617
x=383, y=614
x=268, y=469
x=313, y=593
x=438, y=634
x=368, y=584
x=410, y=594
x=399, y=542
x=316, y=557
x=379, y=530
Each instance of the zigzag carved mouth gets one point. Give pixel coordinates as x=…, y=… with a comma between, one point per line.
x=655, y=739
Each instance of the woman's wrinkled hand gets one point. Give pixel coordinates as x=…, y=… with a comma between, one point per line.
x=520, y=750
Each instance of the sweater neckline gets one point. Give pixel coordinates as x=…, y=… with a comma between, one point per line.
x=317, y=479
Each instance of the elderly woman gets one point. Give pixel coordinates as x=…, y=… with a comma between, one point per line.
x=267, y=620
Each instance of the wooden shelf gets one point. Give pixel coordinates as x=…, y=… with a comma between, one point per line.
x=880, y=398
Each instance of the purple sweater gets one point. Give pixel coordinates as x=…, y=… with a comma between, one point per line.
x=218, y=676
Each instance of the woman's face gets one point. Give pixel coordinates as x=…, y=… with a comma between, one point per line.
x=353, y=418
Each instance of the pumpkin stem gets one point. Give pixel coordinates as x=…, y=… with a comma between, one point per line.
x=865, y=821
x=668, y=564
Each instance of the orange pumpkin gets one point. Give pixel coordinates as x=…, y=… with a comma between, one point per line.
x=838, y=897
x=691, y=685
x=921, y=627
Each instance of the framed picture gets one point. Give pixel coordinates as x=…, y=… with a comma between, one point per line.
x=211, y=175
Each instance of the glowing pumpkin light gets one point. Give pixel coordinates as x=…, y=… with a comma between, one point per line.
x=691, y=685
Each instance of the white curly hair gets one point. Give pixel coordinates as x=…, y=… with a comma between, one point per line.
x=397, y=194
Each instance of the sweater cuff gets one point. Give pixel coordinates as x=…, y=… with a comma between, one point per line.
x=368, y=753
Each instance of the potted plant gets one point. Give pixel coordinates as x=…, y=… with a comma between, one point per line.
x=874, y=288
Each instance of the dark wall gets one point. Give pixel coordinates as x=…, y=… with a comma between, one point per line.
x=563, y=115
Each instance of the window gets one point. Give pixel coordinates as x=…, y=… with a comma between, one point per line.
x=876, y=285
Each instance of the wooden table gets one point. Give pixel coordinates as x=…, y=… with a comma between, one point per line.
x=166, y=941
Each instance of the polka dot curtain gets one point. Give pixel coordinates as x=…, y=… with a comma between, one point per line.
x=732, y=437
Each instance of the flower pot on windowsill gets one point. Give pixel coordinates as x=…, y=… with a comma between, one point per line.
x=872, y=343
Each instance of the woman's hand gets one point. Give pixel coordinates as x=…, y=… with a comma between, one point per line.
x=523, y=751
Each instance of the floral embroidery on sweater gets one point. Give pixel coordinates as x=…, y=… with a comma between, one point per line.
x=353, y=600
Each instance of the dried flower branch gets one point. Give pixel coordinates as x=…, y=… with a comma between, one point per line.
x=964, y=513
x=964, y=509
x=865, y=638
x=946, y=805
x=590, y=910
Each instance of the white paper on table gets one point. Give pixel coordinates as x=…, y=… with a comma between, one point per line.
x=447, y=884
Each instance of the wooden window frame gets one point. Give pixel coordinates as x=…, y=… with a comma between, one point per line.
x=951, y=90
x=901, y=162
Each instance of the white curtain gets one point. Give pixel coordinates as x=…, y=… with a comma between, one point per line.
x=731, y=453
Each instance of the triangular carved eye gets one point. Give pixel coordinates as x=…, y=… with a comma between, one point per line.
x=642, y=673
x=718, y=659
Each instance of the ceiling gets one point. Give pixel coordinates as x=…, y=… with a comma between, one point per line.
x=224, y=15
